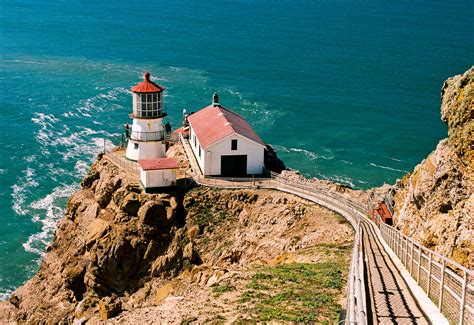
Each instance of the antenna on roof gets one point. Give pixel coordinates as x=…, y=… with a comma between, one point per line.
x=215, y=100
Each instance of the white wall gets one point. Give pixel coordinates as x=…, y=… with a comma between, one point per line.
x=201, y=160
x=254, y=152
x=146, y=150
x=210, y=160
x=158, y=178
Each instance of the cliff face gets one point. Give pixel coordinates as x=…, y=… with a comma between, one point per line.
x=118, y=251
x=435, y=203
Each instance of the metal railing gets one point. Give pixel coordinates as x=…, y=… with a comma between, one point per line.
x=452, y=292
x=122, y=162
x=146, y=136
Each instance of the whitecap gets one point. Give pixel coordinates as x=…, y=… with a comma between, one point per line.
x=279, y=148
x=389, y=168
x=395, y=159
x=311, y=155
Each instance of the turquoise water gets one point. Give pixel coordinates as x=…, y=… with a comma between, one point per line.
x=344, y=90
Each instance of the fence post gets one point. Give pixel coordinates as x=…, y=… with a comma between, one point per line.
x=398, y=244
x=419, y=265
x=428, y=285
x=463, y=299
x=441, y=287
x=411, y=257
x=406, y=252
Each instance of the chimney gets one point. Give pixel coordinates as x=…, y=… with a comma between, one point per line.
x=215, y=100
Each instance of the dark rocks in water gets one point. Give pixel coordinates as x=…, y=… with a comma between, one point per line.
x=271, y=160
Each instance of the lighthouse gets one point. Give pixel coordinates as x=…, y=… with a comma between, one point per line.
x=146, y=137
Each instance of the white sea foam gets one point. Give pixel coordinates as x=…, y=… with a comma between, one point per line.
x=3, y=171
x=343, y=180
x=82, y=167
x=265, y=115
x=19, y=190
x=389, y=168
x=395, y=159
x=311, y=155
x=279, y=148
x=48, y=212
x=98, y=102
x=5, y=294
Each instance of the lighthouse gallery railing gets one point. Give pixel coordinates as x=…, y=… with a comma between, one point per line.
x=145, y=136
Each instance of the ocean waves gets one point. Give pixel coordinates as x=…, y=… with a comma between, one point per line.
x=47, y=211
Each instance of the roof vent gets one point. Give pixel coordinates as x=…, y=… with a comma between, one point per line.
x=215, y=100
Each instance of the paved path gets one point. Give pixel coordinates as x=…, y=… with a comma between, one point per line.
x=391, y=300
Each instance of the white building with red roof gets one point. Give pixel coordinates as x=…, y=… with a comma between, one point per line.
x=157, y=173
x=223, y=142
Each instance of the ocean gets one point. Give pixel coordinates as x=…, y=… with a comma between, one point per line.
x=343, y=90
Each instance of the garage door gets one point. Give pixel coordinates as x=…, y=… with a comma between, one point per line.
x=234, y=165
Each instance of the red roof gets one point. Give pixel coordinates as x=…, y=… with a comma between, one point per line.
x=158, y=163
x=213, y=123
x=147, y=86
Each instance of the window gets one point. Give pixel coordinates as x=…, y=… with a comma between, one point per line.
x=199, y=151
x=135, y=146
x=147, y=105
x=194, y=140
x=233, y=145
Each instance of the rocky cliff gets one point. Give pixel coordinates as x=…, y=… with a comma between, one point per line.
x=122, y=255
x=435, y=203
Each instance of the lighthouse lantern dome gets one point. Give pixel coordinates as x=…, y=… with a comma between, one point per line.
x=147, y=99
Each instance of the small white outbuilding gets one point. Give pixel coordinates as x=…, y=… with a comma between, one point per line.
x=223, y=142
x=157, y=173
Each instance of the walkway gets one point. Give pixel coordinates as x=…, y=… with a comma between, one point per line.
x=391, y=300
x=373, y=273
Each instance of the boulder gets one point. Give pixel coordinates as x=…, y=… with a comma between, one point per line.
x=153, y=214
x=109, y=308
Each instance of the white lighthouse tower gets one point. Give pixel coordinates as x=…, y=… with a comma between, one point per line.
x=146, y=136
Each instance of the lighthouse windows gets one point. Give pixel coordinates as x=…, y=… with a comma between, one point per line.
x=147, y=105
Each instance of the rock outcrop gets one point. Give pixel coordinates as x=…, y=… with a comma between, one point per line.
x=118, y=249
x=435, y=203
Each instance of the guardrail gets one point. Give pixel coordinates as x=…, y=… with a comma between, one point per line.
x=451, y=292
x=123, y=162
x=145, y=136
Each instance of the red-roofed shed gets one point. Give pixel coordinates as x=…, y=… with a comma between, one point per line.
x=157, y=173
